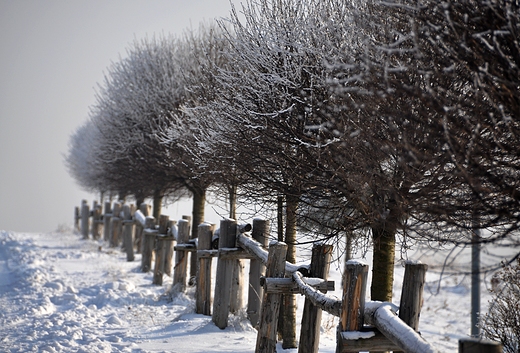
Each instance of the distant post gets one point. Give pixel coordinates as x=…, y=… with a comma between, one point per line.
x=106, y=220
x=115, y=225
x=203, y=295
x=128, y=233
x=96, y=221
x=181, y=256
x=85, y=214
x=149, y=234
x=224, y=276
x=76, y=218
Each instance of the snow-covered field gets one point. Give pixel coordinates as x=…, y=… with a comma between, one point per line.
x=59, y=293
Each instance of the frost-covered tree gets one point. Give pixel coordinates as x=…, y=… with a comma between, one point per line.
x=468, y=59
x=184, y=132
x=431, y=140
x=271, y=95
x=82, y=161
x=502, y=322
x=139, y=92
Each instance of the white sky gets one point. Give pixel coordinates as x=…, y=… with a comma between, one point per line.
x=52, y=55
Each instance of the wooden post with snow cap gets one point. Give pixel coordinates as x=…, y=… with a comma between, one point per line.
x=354, y=292
x=236, y=302
x=76, y=219
x=115, y=225
x=128, y=233
x=96, y=221
x=181, y=257
x=353, y=301
x=412, y=293
x=85, y=214
x=203, y=294
x=260, y=233
x=271, y=302
x=191, y=257
x=311, y=319
x=149, y=234
x=106, y=220
x=223, y=280
x=144, y=210
x=160, y=243
x=168, y=247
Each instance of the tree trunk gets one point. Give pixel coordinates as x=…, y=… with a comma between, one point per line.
x=139, y=199
x=280, y=218
x=157, y=204
x=349, y=237
x=232, y=190
x=383, y=263
x=288, y=313
x=199, y=201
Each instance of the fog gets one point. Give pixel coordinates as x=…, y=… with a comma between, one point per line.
x=53, y=54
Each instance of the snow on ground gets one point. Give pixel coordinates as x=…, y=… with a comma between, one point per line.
x=59, y=293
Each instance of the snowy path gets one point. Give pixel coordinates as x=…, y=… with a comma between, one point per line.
x=61, y=294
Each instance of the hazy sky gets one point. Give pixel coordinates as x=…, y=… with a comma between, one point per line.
x=52, y=55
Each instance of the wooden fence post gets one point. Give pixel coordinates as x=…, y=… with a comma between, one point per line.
x=268, y=321
x=475, y=345
x=128, y=233
x=236, y=301
x=260, y=233
x=224, y=277
x=203, y=294
x=181, y=257
x=96, y=221
x=76, y=219
x=106, y=220
x=158, y=270
x=168, y=247
x=115, y=225
x=139, y=229
x=149, y=234
x=191, y=257
x=412, y=293
x=85, y=214
x=311, y=319
x=353, y=301
x=354, y=292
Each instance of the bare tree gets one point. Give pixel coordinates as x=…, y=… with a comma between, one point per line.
x=431, y=132
x=501, y=323
x=270, y=94
x=138, y=93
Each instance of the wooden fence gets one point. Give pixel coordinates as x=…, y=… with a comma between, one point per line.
x=363, y=326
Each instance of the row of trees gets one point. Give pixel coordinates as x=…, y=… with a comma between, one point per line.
x=363, y=118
